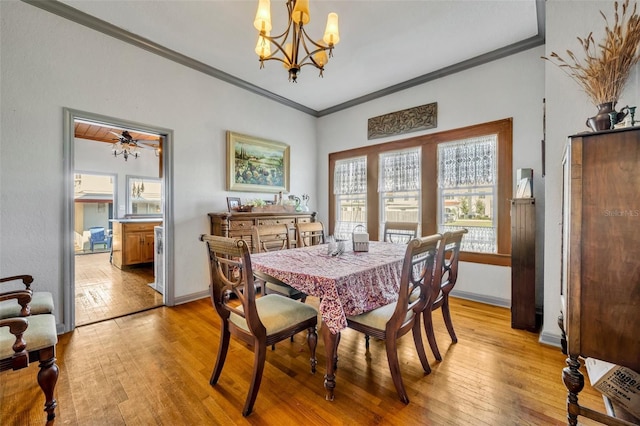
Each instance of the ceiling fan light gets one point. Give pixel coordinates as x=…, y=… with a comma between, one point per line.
x=300, y=12
x=331, y=32
x=262, y=21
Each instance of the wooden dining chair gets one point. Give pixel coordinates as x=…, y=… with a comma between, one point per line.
x=400, y=232
x=447, y=277
x=258, y=322
x=392, y=321
x=270, y=238
x=310, y=234
x=28, y=338
x=41, y=301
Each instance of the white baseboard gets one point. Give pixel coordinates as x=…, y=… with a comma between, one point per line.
x=489, y=300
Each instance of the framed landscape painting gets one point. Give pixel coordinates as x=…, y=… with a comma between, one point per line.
x=256, y=165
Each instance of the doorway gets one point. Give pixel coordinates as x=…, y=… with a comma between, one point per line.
x=110, y=191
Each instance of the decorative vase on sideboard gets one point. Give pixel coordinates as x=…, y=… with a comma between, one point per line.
x=603, y=120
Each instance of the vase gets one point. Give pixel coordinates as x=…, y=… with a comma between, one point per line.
x=606, y=118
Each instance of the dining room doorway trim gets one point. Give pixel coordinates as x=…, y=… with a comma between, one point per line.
x=68, y=270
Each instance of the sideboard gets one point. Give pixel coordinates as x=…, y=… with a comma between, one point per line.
x=238, y=224
x=600, y=291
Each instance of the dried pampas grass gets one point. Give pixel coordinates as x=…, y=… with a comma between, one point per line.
x=605, y=69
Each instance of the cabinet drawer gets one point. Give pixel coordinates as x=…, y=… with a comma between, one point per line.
x=278, y=221
x=136, y=227
x=304, y=220
x=240, y=225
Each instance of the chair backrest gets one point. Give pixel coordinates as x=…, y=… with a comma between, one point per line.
x=230, y=270
x=270, y=238
x=451, y=242
x=400, y=232
x=310, y=234
x=421, y=259
x=97, y=233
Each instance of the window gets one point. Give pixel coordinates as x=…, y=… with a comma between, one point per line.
x=144, y=196
x=350, y=191
x=465, y=179
x=467, y=188
x=399, y=186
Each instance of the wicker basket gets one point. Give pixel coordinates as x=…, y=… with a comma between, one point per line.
x=360, y=239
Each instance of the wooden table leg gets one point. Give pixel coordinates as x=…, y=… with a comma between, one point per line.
x=330, y=348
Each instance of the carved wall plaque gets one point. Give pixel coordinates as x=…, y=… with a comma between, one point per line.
x=408, y=120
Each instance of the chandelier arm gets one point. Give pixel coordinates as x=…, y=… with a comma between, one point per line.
x=279, y=47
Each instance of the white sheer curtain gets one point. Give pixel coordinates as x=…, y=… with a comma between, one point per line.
x=468, y=162
x=350, y=176
x=399, y=171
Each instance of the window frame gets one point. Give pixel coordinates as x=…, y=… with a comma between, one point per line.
x=429, y=184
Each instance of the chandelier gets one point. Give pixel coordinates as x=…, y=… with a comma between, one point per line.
x=294, y=46
x=137, y=190
x=126, y=146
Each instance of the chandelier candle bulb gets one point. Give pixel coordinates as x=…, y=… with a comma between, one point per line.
x=331, y=33
x=263, y=47
x=321, y=57
x=301, y=12
x=263, y=16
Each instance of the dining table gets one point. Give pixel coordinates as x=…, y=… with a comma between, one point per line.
x=346, y=282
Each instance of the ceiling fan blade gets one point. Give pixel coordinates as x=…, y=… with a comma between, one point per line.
x=147, y=144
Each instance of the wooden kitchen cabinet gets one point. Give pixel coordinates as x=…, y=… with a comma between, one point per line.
x=600, y=291
x=132, y=242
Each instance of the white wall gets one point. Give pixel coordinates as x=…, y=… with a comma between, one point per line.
x=510, y=87
x=567, y=110
x=48, y=63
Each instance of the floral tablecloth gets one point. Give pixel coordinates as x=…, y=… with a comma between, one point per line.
x=349, y=284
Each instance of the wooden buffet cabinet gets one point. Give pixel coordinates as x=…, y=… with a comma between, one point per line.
x=238, y=224
x=600, y=258
x=133, y=241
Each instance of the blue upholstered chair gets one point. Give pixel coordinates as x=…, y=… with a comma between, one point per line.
x=99, y=236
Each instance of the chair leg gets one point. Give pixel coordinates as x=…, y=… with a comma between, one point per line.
x=417, y=339
x=256, y=378
x=431, y=337
x=366, y=341
x=446, y=315
x=394, y=368
x=47, y=379
x=225, y=336
x=312, y=341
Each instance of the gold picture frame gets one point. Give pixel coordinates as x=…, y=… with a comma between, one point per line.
x=256, y=165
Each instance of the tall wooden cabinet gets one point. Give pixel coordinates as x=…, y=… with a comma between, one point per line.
x=523, y=264
x=238, y=224
x=601, y=257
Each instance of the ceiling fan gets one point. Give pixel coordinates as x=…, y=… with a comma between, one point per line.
x=127, y=146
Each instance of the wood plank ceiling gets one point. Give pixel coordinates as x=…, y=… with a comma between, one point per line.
x=100, y=133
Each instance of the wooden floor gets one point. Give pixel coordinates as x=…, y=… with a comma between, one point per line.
x=154, y=367
x=104, y=291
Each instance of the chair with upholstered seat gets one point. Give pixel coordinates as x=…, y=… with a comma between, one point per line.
x=310, y=234
x=451, y=242
x=269, y=238
x=399, y=232
x=41, y=301
x=25, y=339
x=392, y=321
x=258, y=322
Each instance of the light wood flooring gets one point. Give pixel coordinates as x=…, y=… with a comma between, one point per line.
x=154, y=368
x=104, y=291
